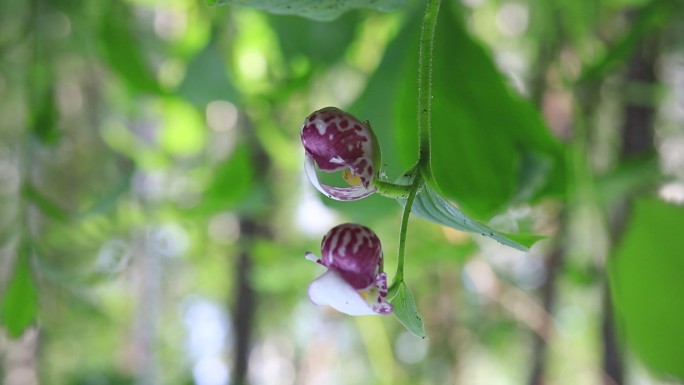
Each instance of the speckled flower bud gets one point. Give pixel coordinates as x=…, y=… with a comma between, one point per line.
x=336, y=140
x=353, y=283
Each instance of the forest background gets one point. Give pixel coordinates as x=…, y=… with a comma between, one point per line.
x=154, y=212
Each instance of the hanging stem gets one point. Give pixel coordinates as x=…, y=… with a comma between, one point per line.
x=422, y=168
x=399, y=275
x=426, y=48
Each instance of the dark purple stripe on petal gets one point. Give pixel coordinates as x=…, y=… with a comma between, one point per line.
x=354, y=251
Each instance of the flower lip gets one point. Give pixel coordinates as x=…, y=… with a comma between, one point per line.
x=353, y=283
x=335, y=140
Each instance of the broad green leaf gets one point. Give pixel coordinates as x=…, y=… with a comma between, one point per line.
x=317, y=42
x=121, y=49
x=367, y=210
x=487, y=142
x=44, y=119
x=206, y=78
x=651, y=16
x=47, y=207
x=324, y=10
x=628, y=178
x=19, y=303
x=647, y=287
x=376, y=103
x=230, y=185
x=432, y=206
x=108, y=200
x=99, y=205
x=576, y=18
x=406, y=312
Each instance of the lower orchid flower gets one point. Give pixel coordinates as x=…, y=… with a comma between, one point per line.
x=335, y=140
x=354, y=283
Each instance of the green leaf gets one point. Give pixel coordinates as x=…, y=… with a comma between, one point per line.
x=101, y=204
x=19, y=303
x=120, y=47
x=324, y=10
x=44, y=119
x=432, y=206
x=46, y=206
x=487, y=142
x=206, y=78
x=230, y=185
x=375, y=105
x=367, y=210
x=629, y=177
x=406, y=312
x=649, y=18
x=376, y=102
x=647, y=288
x=318, y=42
x=108, y=200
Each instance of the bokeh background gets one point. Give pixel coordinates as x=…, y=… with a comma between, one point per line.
x=154, y=213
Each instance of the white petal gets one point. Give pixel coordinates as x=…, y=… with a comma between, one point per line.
x=337, y=193
x=331, y=290
x=311, y=256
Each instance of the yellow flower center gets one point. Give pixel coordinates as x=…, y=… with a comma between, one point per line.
x=350, y=178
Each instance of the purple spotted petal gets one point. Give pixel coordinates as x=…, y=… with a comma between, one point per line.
x=335, y=140
x=355, y=251
x=351, y=193
x=377, y=296
x=353, y=284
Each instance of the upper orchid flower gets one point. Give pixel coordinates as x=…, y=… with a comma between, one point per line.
x=335, y=140
x=354, y=283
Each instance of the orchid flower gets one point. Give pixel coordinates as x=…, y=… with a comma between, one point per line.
x=336, y=140
x=354, y=283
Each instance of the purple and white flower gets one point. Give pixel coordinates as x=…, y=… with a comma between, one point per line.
x=354, y=283
x=336, y=140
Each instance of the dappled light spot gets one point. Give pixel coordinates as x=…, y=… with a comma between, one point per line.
x=221, y=115
x=170, y=24
x=512, y=19
x=224, y=228
x=672, y=192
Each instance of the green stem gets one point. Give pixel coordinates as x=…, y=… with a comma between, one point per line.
x=399, y=275
x=425, y=53
x=422, y=169
x=391, y=190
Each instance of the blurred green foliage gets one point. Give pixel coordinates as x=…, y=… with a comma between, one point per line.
x=314, y=9
x=19, y=302
x=645, y=275
x=145, y=148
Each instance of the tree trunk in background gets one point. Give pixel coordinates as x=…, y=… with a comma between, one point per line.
x=637, y=141
x=637, y=129
x=19, y=359
x=553, y=265
x=245, y=305
x=149, y=269
x=253, y=226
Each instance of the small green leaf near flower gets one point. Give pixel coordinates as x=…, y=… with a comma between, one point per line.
x=406, y=312
x=432, y=206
